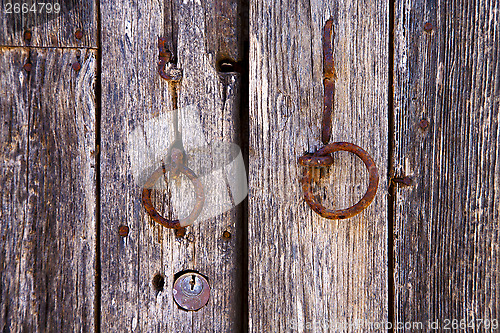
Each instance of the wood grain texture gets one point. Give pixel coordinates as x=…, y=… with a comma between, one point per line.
x=447, y=223
x=47, y=202
x=49, y=29
x=134, y=94
x=305, y=271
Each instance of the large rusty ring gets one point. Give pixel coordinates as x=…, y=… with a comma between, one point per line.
x=174, y=224
x=307, y=178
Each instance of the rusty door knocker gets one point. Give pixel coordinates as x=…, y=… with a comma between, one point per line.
x=322, y=157
x=174, y=167
x=176, y=163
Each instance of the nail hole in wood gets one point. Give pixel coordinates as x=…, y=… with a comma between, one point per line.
x=158, y=282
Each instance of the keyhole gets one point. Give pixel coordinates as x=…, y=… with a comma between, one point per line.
x=192, y=282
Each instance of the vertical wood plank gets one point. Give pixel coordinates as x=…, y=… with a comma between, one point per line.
x=49, y=27
x=133, y=96
x=47, y=205
x=447, y=73
x=308, y=273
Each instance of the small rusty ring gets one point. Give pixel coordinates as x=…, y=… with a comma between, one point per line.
x=363, y=203
x=174, y=224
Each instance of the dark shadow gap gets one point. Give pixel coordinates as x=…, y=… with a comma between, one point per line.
x=244, y=139
x=8, y=47
x=390, y=172
x=98, y=108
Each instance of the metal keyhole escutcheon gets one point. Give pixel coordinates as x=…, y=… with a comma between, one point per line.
x=191, y=291
x=323, y=158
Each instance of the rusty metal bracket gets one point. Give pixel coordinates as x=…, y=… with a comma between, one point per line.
x=323, y=158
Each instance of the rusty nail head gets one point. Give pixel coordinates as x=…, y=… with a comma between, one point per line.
x=226, y=234
x=27, y=35
x=123, y=231
x=191, y=291
x=27, y=67
x=179, y=233
x=428, y=27
x=424, y=123
x=79, y=34
x=76, y=66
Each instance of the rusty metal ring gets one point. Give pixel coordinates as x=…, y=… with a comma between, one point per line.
x=363, y=203
x=174, y=224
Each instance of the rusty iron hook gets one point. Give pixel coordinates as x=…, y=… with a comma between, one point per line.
x=170, y=72
x=323, y=158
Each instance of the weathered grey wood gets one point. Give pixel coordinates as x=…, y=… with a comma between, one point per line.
x=446, y=226
x=306, y=271
x=50, y=29
x=47, y=201
x=133, y=94
x=224, y=27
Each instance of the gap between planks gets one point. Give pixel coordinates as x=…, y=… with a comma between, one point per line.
x=9, y=47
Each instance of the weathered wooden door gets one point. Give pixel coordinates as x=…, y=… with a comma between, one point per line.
x=417, y=86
